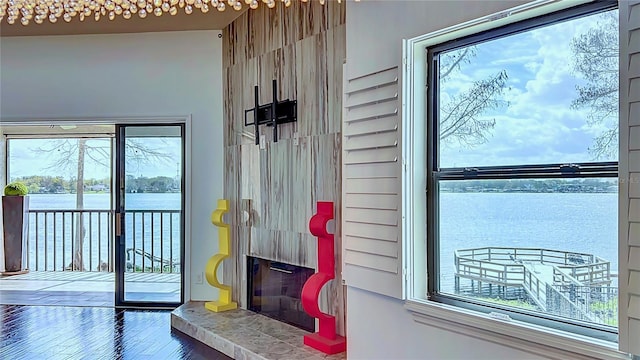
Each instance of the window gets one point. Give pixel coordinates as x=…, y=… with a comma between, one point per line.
x=522, y=166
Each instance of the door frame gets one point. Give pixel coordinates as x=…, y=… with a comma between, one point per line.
x=137, y=120
x=120, y=220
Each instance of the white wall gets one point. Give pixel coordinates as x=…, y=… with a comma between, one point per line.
x=375, y=28
x=149, y=74
x=379, y=327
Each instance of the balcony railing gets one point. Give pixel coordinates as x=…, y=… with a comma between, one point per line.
x=152, y=239
x=563, y=283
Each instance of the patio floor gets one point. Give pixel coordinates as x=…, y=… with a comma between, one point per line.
x=86, y=288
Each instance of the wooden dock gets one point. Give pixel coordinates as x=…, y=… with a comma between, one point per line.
x=558, y=282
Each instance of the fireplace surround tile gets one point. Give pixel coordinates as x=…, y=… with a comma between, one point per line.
x=245, y=335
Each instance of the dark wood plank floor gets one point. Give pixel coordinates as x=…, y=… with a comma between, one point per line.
x=58, y=332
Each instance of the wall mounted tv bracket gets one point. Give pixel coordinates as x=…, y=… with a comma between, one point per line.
x=272, y=114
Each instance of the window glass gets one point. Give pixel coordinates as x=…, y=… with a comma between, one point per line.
x=547, y=245
x=547, y=95
x=516, y=225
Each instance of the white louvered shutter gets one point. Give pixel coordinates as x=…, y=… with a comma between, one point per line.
x=629, y=267
x=371, y=184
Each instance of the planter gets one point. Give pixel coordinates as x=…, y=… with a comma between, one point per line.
x=15, y=221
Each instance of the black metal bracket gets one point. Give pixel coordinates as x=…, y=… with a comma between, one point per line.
x=272, y=114
x=570, y=169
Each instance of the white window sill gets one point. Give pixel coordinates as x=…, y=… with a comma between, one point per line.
x=522, y=336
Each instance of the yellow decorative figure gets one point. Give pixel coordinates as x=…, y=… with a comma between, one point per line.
x=224, y=244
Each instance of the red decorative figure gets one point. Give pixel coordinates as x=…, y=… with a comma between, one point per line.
x=325, y=339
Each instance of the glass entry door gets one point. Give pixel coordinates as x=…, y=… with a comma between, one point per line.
x=149, y=215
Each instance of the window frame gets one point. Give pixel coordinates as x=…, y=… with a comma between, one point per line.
x=420, y=301
x=436, y=174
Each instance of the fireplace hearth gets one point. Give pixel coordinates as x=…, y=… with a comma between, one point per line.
x=274, y=290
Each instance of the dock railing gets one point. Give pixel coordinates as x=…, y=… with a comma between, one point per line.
x=584, y=267
x=541, y=255
x=536, y=288
x=596, y=273
x=563, y=304
x=575, y=285
x=152, y=238
x=487, y=271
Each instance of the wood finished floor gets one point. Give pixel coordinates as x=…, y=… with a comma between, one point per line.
x=56, y=332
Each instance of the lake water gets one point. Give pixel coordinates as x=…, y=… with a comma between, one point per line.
x=135, y=201
x=575, y=222
x=154, y=233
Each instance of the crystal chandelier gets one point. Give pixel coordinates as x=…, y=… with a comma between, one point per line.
x=38, y=11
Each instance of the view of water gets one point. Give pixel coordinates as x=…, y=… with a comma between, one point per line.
x=576, y=222
x=134, y=201
x=154, y=233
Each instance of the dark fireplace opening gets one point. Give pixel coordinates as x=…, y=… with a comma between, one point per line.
x=275, y=291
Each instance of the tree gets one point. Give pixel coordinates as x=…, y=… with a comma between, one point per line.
x=74, y=153
x=461, y=114
x=595, y=58
x=77, y=263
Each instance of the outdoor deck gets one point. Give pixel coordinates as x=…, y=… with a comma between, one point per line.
x=79, y=288
x=569, y=284
x=152, y=258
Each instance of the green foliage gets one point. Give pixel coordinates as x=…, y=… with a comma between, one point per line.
x=606, y=310
x=57, y=185
x=38, y=184
x=16, y=189
x=531, y=186
x=513, y=303
x=158, y=184
x=604, y=306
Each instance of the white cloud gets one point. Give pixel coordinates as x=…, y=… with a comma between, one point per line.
x=539, y=125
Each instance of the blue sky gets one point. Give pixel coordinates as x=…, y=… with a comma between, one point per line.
x=25, y=160
x=538, y=125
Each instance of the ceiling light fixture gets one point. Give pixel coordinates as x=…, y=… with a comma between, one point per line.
x=39, y=11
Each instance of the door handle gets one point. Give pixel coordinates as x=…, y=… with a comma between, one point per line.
x=118, y=225
x=280, y=270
